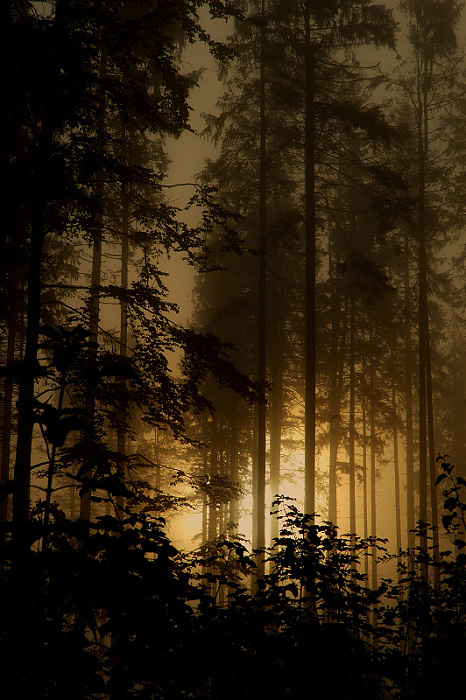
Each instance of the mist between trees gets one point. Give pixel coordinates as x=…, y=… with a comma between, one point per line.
x=308, y=409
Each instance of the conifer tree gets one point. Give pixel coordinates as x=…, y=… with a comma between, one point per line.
x=102, y=67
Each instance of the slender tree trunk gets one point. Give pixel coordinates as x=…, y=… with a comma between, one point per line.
x=365, y=480
x=310, y=237
x=422, y=375
x=426, y=416
x=259, y=491
x=72, y=486
x=234, y=471
x=22, y=325
x=459, y=405
x=85, y=504
x=22, y=470
x=121, y=439
x=352, y=426
x=409, y=406
x=7, y=422
x=335, y=418
x=51, y=464
x=335, y=392
x=221, y=505
x=119, y=504
x=276, y=417
x=94, y=297
x=426, y=424
x=396, y=464
x=365, y=484
x=234, y=478
x=432, y=467
x=158, y=470
x=6, y=18
x=205, y=500
x=373, y=448
x=429, y=392
x=213, y=510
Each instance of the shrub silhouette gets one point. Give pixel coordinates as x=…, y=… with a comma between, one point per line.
x=113, y=610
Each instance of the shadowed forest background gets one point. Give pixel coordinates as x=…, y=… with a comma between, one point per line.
x=233, y=413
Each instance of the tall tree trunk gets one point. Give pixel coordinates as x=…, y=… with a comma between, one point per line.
x=94, y=307
x=276, y=416
x=123, y=349
x=221, y=505
x=234, y=477
x=51, y=463
x=396, y=464
x=409, y=405
x=365, y=480
x=365, y=483
x=459, y=405
x=335, y=392
x=22, y=470
x=213, y=510
x=234, y=471
x=205, y=499
x=427, y=464
x=7, y=422
x=119, y=503
x=259, y=491
x=310, y=239
x=335, y=417
x=372, y=409
x=352, y=426
x=423, y=339
x=432, y=467
x=158, y=469
x=94, y=295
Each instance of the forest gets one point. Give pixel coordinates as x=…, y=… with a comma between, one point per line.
x=254, y=487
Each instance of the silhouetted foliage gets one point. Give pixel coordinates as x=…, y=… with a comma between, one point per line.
x=114, y=599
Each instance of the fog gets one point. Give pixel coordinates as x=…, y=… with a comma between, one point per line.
x=232, y=345
x=189, y=152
